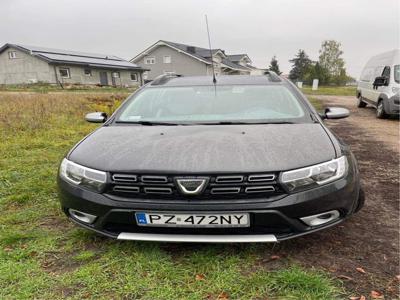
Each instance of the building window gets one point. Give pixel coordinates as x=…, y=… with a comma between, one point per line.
x=115, y=74
x=145, y=75
x=167, y=59
x=133, y=76
x=12, y=54
x=150, y=60
x=88, y=72
x=64, y=73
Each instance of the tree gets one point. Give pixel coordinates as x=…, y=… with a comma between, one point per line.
x=342, y=78
x=301, y=66
x=316, y=71
x=274, y=66
x=330, y=59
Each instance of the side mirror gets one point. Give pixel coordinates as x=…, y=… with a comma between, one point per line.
x=96, y=117
x=335, y=113
x=380, y=81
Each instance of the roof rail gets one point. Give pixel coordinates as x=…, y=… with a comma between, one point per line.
x=164, y=78
x=272, y=76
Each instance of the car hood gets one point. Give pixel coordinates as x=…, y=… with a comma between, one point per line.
x=204, y=148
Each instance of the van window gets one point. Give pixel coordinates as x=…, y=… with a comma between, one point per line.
x=396, y=73
x=378, y=72
x=367, y=74
x=386, y=72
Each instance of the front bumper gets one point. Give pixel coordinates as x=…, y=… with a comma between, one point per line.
x=271, y=221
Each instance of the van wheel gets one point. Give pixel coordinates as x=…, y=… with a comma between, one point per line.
x=380, y=111
x=360, y=103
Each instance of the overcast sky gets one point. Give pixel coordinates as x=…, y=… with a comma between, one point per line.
x=260, y=28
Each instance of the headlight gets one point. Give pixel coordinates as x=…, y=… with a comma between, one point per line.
x=315, y=175
x=80, y=175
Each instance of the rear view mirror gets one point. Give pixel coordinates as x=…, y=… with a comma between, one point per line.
x=335, y=113
x=96, y=117
x=380, y=81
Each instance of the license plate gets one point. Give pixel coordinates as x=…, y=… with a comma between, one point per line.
x=192, y=220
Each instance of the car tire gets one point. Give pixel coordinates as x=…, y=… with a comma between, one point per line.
x=360, y=102
x=361, y=200
x=380, y=110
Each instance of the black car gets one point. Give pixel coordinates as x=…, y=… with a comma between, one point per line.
x=245, y=159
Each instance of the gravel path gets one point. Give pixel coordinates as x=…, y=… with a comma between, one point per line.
x=370, y=239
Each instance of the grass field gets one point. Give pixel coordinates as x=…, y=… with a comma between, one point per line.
x=45, y=256
x=331, y=90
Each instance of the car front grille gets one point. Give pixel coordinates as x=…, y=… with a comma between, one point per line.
x=218, y=186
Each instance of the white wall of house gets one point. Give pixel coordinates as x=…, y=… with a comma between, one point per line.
x=77, y=76
x=244, y=61
x=217, y=59
x=24, y=68
x=180, y=63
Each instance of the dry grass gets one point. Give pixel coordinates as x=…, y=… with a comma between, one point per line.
x=32, y=111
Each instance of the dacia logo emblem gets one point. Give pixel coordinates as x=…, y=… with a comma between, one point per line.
x=191, y=185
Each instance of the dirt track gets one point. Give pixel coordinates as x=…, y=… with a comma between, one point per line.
x=370, y=239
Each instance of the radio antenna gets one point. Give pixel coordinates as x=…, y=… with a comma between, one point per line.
x=209, y=45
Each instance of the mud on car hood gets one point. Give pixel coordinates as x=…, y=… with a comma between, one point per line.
x=204, y=148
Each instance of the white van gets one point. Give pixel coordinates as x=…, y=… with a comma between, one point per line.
x=379, y=84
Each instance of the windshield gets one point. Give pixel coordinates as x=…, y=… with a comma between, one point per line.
x=215, y=104
x=396, y=73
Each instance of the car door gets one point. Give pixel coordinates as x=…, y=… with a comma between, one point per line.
x=376, y=91
x=384, y=89
x=365, y=83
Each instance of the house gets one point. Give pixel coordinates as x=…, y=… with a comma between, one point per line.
x=164, y=57
x=20, y=64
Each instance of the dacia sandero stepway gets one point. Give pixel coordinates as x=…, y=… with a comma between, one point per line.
x=186, y=159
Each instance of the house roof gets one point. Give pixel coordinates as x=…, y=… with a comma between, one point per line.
x=198, y=51
x=176, y=46
x=255, y=68
x=202, y=54
x=58, y=56
x=237, y=57
x=233, y=65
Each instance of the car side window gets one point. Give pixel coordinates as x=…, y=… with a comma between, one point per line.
x=386, y=72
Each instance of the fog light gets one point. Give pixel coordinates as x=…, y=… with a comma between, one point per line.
x=320, y=219
x=81, y=216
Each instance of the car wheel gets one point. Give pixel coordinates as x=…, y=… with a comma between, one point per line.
x=361, y=103
x=380, y=110
x=361, y=201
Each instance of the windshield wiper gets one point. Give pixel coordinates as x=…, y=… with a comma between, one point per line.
x=279, y=122
x=149, y=123
x=155, y=123
x=243, y=123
